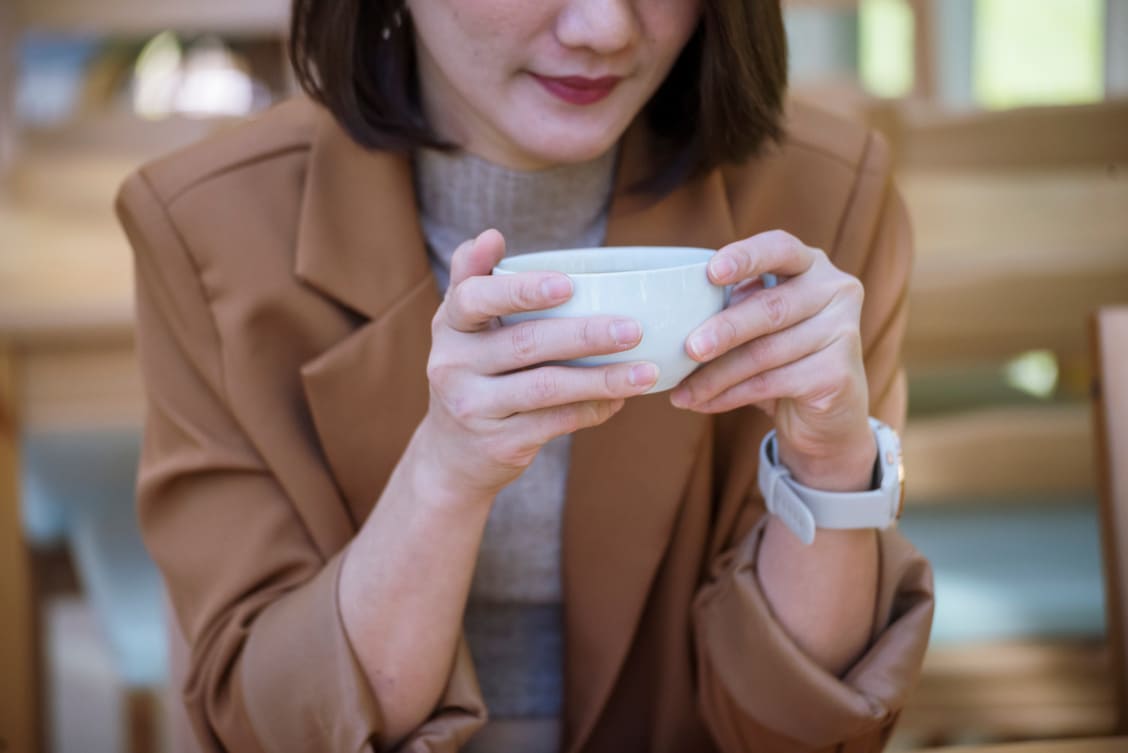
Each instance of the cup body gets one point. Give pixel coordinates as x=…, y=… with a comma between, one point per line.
x=665, y=288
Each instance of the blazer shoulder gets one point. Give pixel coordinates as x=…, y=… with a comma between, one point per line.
x=816, y=145
x=836, y=138
x=826, y=175
x=282, y=130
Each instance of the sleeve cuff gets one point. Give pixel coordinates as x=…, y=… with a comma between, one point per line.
x=304, y=688
x=752, y=667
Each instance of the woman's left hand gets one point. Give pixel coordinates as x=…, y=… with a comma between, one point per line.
x=793, y=350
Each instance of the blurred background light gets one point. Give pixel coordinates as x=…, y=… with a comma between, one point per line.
x=1052, y=56
x=885, y=33
x=1035, y=373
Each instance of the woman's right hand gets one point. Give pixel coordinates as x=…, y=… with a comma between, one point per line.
x=493, y=406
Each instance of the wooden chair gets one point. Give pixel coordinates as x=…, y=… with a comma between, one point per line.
x=1020, y=233
x=1109, y=341
x=1026, y=138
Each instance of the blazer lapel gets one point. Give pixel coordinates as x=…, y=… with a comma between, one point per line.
x=359, y=244
x=627, y=476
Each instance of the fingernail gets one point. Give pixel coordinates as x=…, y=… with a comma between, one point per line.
x=642, y=373
x=722, y=268
x=703, y=344
x=680, y=397
x=625, y=331
x=554, y=288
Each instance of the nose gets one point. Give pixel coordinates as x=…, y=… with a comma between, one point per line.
x=604, y=26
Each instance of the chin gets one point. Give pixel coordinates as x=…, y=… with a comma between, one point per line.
x=561, y=148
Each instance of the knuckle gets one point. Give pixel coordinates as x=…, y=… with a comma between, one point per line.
x=728, y=334
x=853, y=289
x=439, y=372
x=848, y=334
x=522, y=295
x=593, y=413
x=781, y=241
x=585, y=334
x=462, y=407
x=759, y=385
x=457, y=298
x=461, y=303
x=601, y=411
x=613, y=380
x=523, y=339
x=775, y=308
x=544, y=386
x=567, y=420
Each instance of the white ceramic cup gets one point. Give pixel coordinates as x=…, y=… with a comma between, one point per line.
x=664, y=288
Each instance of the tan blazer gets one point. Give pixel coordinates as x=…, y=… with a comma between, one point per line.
x=284, y=300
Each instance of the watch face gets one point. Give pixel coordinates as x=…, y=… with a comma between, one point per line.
x=892, y=457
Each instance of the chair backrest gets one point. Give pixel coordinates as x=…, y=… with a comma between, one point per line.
x=1022, y=138
x=1110, y=420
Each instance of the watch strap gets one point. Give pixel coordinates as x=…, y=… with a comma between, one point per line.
x=804, y=509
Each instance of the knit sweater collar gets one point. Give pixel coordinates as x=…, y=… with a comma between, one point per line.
x=460, y=195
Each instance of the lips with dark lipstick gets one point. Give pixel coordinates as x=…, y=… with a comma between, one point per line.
x=578, y=90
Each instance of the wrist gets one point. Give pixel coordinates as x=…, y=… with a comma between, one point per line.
x=847, y=467
x=436, y=481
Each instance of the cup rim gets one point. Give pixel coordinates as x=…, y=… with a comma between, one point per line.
x=500, y=268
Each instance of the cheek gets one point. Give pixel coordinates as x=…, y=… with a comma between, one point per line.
x=670, y=23
x=494, y=29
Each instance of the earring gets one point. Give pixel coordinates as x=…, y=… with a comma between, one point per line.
x=397, y=22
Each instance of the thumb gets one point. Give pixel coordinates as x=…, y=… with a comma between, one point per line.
x=477, y=256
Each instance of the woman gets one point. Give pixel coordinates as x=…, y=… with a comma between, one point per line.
x=374, y=507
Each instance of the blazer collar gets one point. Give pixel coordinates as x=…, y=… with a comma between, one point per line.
x=359, y=243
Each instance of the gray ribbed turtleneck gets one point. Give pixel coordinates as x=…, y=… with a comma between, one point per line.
x=513, y=619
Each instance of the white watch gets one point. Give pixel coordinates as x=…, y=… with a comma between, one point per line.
x=804, y=509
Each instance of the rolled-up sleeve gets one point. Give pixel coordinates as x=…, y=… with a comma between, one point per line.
x=271, y=668
x=757, y=689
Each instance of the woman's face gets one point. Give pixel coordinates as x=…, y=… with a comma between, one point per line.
x=534, y=83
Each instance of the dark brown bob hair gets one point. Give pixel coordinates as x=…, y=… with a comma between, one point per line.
x=721, y=101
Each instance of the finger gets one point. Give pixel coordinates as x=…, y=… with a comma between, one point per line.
x=538, y=427
x=775, y=252
x=809, y=376
x=761, y=354
x=549, y=386
x=476, y=256
x=477, y=300
x=532, y=342
x=759, y=313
